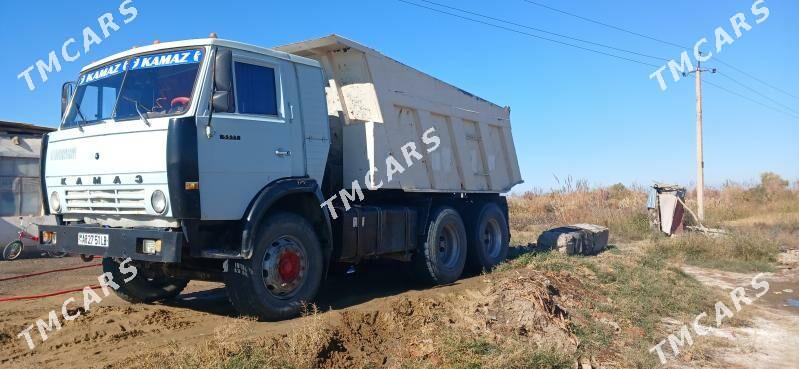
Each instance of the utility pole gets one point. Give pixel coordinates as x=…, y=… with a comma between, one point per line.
x=700, y=161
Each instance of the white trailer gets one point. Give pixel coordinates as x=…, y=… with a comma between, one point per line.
x=216, y=160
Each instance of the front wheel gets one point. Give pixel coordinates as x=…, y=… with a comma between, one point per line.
x=12, y=250
x=283, y=274
x=143, y=289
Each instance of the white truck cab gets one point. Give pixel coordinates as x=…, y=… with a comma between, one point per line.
x=127, y=128
x=212, y=159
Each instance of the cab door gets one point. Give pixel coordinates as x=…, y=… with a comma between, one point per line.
x=256, y=144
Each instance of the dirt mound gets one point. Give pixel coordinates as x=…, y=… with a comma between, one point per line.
x=528, y=306
x=508, y=320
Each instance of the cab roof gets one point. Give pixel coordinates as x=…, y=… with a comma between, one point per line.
x=202, y=42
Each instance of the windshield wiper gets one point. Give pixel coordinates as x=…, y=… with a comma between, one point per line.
x=83, y=119
x=136, y=105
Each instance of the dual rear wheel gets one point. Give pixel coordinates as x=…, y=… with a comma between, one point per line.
x=452, y=245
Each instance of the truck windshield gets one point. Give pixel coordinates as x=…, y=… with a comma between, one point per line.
x=152, y=85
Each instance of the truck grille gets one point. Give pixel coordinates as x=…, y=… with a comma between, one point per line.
x=119, y=201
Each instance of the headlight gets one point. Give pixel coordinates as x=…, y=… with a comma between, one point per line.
x=158, y=201
x=55, y=202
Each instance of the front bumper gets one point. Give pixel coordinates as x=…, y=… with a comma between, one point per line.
x=122, y=242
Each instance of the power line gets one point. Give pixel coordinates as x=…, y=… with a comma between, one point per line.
x=750, y=99
x=544, y=31
x=528, y=34
x=758, y=93
x=757, y=79
x=605, y=24
x=581, y=40
x=662, y=42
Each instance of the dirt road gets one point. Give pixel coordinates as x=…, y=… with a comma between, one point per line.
x=772, y=339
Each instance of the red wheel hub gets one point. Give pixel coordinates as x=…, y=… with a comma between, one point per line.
x=289, y=266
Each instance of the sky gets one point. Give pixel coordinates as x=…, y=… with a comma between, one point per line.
x=575, y=114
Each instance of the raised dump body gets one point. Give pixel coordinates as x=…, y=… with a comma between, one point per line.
x=377, y=104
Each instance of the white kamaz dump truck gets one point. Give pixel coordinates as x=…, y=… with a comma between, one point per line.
x=216, y=160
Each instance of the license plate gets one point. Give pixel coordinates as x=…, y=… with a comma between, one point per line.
x=93, y=239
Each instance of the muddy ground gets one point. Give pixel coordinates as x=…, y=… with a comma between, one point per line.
x=114, y=332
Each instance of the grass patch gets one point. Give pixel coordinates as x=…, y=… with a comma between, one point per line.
x=465, y=352
x=739, y=252
x=636, y=291
x=554, y=261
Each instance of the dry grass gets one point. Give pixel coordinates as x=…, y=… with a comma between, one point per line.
x=740, y=252
x=761, y=218
x=621, y=209
x=735, y=201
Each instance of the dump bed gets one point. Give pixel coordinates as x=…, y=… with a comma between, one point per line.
x=376, y=105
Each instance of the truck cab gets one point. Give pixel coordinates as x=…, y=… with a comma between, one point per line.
x=211, y=159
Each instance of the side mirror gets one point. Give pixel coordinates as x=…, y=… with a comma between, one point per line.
x=67, y=89
x=223, y=99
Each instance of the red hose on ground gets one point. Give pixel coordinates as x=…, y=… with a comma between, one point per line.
x=49, y=271
x=17, y=298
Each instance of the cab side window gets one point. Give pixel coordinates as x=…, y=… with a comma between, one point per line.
x=256, y=89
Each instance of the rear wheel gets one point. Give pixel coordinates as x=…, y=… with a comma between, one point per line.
x=442, y=255
x=142, y=288
x=12, y=250
x=283, y=274
x=488, y=238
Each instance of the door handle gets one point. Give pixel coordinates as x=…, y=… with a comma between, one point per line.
x=281, y=153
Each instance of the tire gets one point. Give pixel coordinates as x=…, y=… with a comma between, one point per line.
x=442, y=255
x=141, y=289
x=12, y=250
x=488, y=239
x=283, y=274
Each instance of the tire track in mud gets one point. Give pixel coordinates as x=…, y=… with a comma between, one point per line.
x=114, y=330
x=96, y=333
